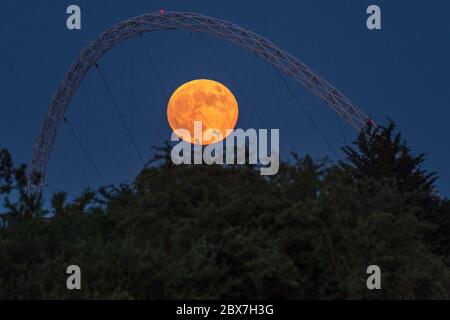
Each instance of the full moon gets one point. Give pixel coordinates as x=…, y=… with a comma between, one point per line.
x=203, y=100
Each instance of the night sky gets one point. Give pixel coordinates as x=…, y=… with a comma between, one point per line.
x=401, y=72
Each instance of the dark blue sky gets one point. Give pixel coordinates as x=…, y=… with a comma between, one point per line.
x=402, y=72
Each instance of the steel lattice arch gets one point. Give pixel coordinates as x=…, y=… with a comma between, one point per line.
x=192, y=22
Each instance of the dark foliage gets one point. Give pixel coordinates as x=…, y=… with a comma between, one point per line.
x=194, y=232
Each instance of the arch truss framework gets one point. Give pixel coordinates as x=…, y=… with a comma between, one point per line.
x=193, y=22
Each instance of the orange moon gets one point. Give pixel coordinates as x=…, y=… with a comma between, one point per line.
x=203, y=100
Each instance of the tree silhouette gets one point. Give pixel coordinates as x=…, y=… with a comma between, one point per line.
x=206, y=232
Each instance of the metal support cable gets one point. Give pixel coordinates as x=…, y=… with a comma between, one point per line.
x=152, y=62
x=151, y=50
x=119, y=113
x=85, y=152
x=279, y=107
x=99, y=146
x=302, y=106
x=132, y=104
x=186, y=50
